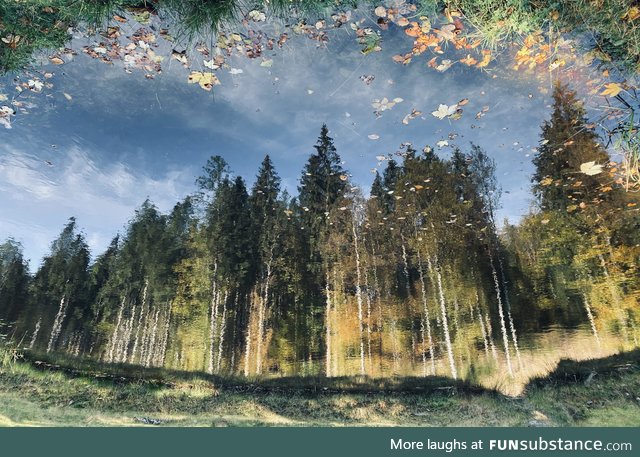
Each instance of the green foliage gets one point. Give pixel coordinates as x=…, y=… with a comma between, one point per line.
x=231, y=282
x=567, y=144
x=14, y=280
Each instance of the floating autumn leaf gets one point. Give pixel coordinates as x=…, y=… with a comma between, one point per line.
x=403, y=59
x=373, y=136
x=181, y=56
x=444, y=111
x=369, y=40
x=486, y=53
x=236, y=71
x=463, y=102
x=56, y=60
x=611, y=89
x=442, y=143
x=385, y=103
x=470, y=61
x=5, y=116
x=425, y=24
x=143, y=17
x=380, y=11
x=267, y=63
x=412, y=115
x=447, y=32
x=457, y=115
x=210, y=64
x=67, y=96
x=3, y=97
x=413, y=30
x=257, y=16
x=113, y=32
x=367, y=79
x=591, y=168
x=35, y=85
x=206, y=80
x=444, y=65
x=119, y=18
x=402, y=22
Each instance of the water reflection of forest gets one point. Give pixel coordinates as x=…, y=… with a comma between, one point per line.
x=416, y=279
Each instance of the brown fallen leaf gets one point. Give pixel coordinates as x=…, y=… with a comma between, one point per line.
x=469, y=60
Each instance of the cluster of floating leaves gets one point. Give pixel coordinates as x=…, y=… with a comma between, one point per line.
x=434, y=38
x=448, y=39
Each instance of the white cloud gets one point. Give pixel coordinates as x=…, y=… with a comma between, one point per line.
x=43, y=196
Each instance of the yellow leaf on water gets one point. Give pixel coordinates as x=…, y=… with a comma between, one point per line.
x=486, y=58
x=612, y=89
x=206, y=80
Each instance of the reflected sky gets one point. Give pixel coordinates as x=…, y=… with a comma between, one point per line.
x=120, y=138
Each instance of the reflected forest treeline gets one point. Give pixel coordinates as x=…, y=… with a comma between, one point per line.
x=414, y=280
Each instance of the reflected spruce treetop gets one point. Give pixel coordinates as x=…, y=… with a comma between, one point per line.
x=469, y=208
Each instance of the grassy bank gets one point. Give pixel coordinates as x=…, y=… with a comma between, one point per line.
x=599, y=392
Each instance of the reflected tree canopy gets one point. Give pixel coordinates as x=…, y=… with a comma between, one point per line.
x=412, y=276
